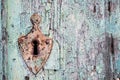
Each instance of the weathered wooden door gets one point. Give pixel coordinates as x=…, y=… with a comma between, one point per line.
x=86, y=36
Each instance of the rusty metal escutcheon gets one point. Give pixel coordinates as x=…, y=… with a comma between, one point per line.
x=35, y=47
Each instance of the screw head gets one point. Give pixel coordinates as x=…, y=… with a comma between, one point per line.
x=35, y=19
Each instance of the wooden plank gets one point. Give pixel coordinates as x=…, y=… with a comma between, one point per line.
x=69, y=13
x=112, y=28
x=107, y=55
x=16, y=66
x=86, y=25
x=81, y=30
x=53, y=61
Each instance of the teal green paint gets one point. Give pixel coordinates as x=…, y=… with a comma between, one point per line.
x=112, y=27
x=14, y=66
x=118, y=65
x=78, y=32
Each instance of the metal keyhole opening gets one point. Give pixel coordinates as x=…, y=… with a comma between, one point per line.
x=35, y=47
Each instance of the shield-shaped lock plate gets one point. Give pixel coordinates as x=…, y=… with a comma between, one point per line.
x=35, y=47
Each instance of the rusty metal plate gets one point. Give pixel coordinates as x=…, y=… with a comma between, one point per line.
x=35, y=47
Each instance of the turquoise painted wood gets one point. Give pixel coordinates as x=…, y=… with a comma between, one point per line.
x=86, y=36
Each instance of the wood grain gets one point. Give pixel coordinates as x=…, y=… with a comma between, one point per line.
x=85, y=33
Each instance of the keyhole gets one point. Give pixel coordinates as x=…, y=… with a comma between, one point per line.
x=35, y=47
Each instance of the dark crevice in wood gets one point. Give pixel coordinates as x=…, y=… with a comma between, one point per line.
x=55, y=70
x=3, y=77
x=112, y=44
x=26, y=77
x=13, y=59
x=107, y=57
x=109, y=7
x=94, y=9
x=112, y=49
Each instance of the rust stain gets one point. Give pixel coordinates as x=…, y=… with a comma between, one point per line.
x=36, y=68
x=35, y=46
